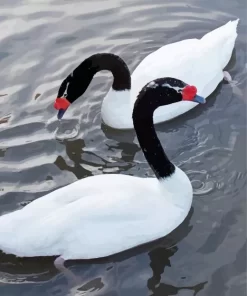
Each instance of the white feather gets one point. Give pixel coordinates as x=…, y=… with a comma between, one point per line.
x=198, y=62
x=97, y=216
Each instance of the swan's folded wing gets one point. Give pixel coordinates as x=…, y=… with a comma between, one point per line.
x=97, y=226
x=124, y=215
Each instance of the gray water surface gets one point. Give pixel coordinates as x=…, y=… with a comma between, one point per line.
x=41, y=41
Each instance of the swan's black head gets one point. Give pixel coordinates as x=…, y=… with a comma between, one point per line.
x=70, y=90
x=74, y=86
x=164, y=91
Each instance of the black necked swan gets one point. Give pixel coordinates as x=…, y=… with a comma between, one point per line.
x=105, y=214
x=199, y=62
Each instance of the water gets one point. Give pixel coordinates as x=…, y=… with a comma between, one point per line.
x=40, y=43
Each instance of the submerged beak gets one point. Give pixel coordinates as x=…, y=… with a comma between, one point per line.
x=61, y=104
x=61, y=113
x=199, y=99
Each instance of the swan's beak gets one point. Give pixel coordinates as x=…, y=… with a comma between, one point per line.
x=199, y=99
x=60, y=113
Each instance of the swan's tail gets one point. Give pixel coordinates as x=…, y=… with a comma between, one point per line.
x=223, y=39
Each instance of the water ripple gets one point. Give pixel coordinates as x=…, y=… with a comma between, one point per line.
x=41, y=41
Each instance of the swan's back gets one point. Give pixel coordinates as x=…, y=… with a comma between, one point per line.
x=88, y=221
x=167, y=61
x=198, y=62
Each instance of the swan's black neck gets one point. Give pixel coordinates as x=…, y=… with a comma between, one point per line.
x=77, y=82
x=159, y=92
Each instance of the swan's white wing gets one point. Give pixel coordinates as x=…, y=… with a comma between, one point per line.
x=168, y=61
x=127, y=212
x=195, y=61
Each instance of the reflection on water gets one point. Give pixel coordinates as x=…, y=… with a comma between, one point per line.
x=40, y=43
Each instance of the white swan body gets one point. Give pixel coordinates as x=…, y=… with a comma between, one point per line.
x=198, y=62
x=97, y=217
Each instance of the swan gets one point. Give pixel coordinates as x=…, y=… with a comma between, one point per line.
x=200, y=62
x=102, y=215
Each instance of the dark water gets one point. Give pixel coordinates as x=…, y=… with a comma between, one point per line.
x=41, y=41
